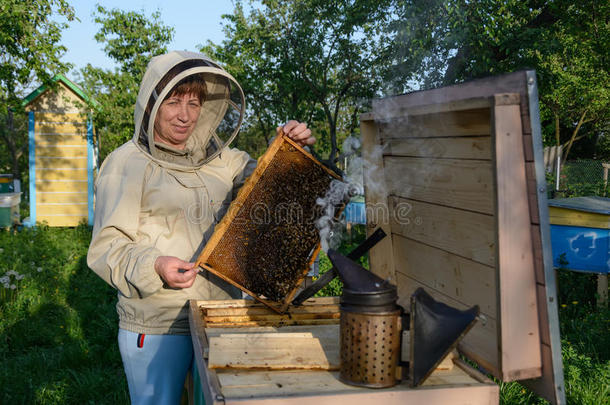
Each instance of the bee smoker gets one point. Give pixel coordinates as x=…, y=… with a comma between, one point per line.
x=370, y=326
x=372, y=323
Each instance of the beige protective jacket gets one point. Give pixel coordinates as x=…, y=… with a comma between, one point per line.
x=154, y=201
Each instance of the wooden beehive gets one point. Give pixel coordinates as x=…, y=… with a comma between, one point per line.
x=455, y=178
x=62, y=157
x=464, y=184
x=246, y=353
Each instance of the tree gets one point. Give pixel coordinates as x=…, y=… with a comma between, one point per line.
x=311, y=60
x=447, y=41
x=131, y=39
x=30, y=49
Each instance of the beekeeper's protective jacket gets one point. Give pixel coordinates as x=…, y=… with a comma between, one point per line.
x=153, y=200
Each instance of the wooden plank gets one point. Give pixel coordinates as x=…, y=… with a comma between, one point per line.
x=380, y=256
x=385, y=111
x=59, y=150
x=528, y=148
x=518, y=312
x=70, y=127
x=487, y=87
x=276, y=323
x=479, y=344
x=248, y=303
x=45, y=174
x=466, y=184
x=472, y=147
x=269, y=318
x=452, y=123
x=208, y=378
x=43, y=210
x=65, y=220
x=250, y=311
x=255, y=351
x=467, y=234
x=465, y=281
x=546, y=386
x=319, y=331
x=565, y=216
x=61, y=163
x=60, y=117
x=532, y=191
x=59, y=186
x=324, y=387
x=507, y=99
x=538, y=254
x=61, y=198
x=67, y=139
x=545, y=336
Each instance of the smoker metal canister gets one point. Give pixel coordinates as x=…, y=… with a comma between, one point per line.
x=370, y=348
x=370, y=330
x=370, y=326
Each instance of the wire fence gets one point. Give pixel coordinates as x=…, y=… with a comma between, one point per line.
x=580, y=178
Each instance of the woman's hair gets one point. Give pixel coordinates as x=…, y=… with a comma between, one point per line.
x=193, y=84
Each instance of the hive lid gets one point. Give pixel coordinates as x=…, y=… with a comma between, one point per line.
x=464, y=186
x=597, y=205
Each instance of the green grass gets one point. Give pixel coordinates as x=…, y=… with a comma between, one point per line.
x=58, y=326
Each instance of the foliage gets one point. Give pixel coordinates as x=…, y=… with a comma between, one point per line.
x=582, y=178
x=447, y=41
x=131, y=39
x=350, y=241
x=31, y=51
x=58, y=324
x=309, y=60
x=585, y=331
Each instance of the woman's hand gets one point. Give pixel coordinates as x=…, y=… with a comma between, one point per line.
x=175, y=272
x=298, y=132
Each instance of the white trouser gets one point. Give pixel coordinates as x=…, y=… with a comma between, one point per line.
x=156, y=366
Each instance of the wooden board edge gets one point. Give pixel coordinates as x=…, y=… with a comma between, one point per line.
x=473, y=103
x=208, y=378
x=519, y=330
x=381, y=256
x=476, y=374
x=552, y=360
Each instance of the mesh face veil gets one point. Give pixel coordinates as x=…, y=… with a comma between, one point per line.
x=219, y=120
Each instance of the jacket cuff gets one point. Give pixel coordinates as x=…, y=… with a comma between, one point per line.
x=145, y=278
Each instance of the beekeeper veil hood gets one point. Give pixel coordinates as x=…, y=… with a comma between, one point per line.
x=221, y=113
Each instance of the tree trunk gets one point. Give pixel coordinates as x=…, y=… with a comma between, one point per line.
x=573, y=137
x=557, y=140
x=9, y=139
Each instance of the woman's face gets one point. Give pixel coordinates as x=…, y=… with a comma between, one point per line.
x=176, y=119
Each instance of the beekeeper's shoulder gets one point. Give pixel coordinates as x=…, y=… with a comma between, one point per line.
x=126, y=160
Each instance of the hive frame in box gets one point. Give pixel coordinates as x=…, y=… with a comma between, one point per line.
x=258, y=386
x=223, y=226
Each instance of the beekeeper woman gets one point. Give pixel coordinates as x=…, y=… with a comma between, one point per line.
x=158, y=198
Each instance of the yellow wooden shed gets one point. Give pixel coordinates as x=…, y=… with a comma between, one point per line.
x=62, y=154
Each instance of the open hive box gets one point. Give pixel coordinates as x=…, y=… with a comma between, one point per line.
x=462, y=198
x=267, y=241
x=247, y=353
